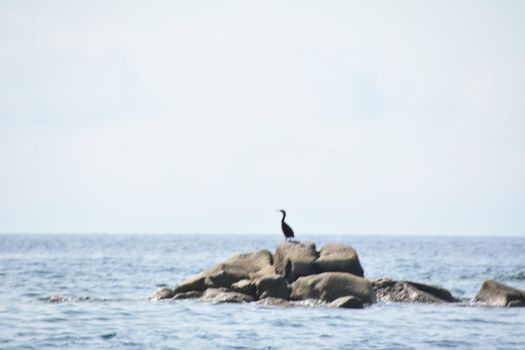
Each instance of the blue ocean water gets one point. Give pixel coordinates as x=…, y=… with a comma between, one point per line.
x=108, y=279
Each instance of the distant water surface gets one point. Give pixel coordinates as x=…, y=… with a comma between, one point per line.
x=108, y=279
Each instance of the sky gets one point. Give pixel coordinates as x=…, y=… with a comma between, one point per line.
x=357, y=117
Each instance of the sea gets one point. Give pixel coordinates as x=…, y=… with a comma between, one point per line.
x=103, y=282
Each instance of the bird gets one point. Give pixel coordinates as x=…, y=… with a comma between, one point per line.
x=287, y=230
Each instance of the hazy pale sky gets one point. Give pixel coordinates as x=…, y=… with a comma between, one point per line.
x=359, y=117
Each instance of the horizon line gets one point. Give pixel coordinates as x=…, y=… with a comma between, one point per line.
x=509, y=235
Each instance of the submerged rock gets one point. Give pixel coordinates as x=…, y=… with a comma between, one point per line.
x=328, y=286
x=339, y=258
x=388, y=290
x=162, y=293
x=348, y=302
x=223, y=295
x=61, y=299
x=497, y=294
x=294, y=259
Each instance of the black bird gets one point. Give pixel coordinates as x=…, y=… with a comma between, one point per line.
x=287, y=230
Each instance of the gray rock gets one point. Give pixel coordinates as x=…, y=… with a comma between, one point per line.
x=188, y=295
x=192, y=283
x=162, y=293
x=339, y=258
x=329, y=286
x=497, y=294
x=273, y=301
x=272, y=286
x=348, y=302
x=245, y=286
x=225, y=277
x=250, y=263
x=294, y=259
x=223, y=295
x=388, y=290
x=230, y=271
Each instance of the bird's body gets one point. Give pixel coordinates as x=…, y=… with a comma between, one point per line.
x=287, y=230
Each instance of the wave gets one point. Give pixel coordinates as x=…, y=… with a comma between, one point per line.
x=518, y=276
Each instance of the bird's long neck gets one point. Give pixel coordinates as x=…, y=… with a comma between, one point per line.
x=284, y=215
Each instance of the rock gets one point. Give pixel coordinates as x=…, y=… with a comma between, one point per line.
x=225, y=277
x=272, y=286
x=188, y=295
x=388, y=290
x=162, y=293
x=273, y=301
x=328, y=286
x=192, y=283
x=440, y=293
x=339, y=258
x=245, y=286
x=268, y=270
x=294, y=259
x=497, y=294
x=348, y=302
x=230, y=271
x=250, y=263
x=223, y=295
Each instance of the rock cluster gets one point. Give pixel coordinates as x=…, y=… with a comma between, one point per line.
x=296, y=272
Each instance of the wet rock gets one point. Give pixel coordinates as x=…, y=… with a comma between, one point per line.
x=339, y=258
x=245, y=286
x=294, y=259
x=188, y=295
x=272, y=286
x=223, y=295
x=348, y=302
x=329, y=286
x=162, y=293
x=497, y=294
x=388, y=290
x=273, y=301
